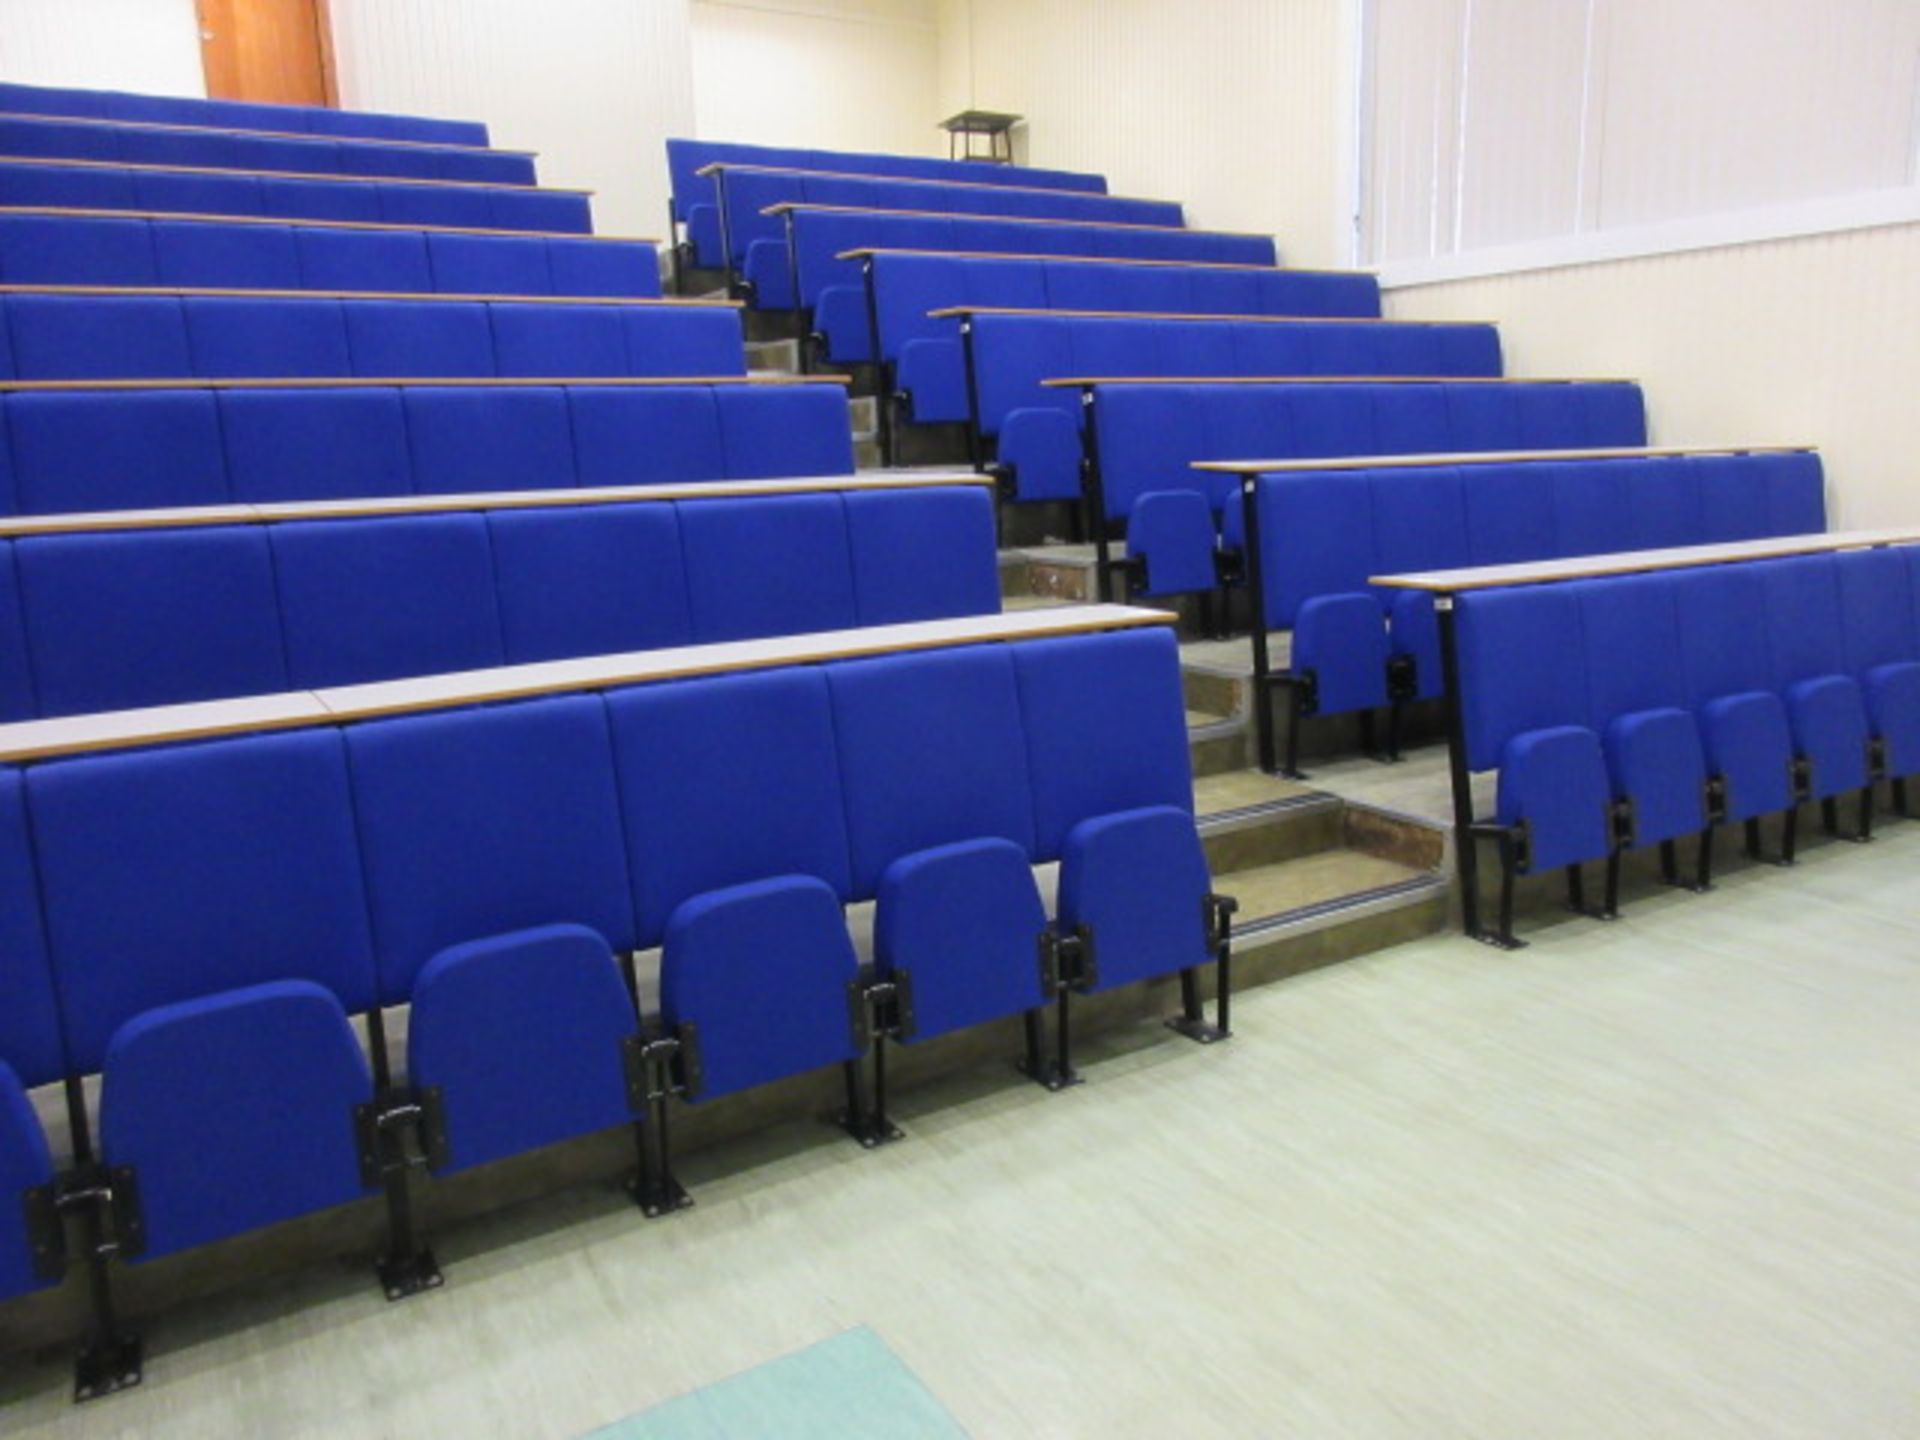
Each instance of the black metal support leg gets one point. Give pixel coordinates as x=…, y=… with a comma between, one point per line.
x=1900, y=805
x=1466, y=857
x=869, y=1125
x=1192, y=1020
x=655, y=1189
x=1611, y=905
x=110, y=1359
x=1058, y=1073
x=1790, y=836
x=1865, y=831
x=1703, y=871
x=1669, y=864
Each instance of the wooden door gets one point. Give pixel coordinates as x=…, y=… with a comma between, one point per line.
x=275, y=51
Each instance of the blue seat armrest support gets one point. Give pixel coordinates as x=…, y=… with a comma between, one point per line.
x=840, y=320
x=770, y=274
x=932, y=374
x=1041, y=453
x=1171, y=543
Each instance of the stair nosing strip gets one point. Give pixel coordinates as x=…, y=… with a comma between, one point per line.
x=1323, y=909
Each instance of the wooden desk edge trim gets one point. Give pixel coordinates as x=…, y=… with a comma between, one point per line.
x=1436, y=458
x=237, y=293
x=145, y=166
x=1642, y=562
x=173, y=126
x=315, y=708
x=95, y=522
x=197, y=217
x=1087, y=382
x=447, y=382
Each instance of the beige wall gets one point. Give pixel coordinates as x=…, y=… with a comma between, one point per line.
x=1236, y=107
x=146, y=45
x=837, y=74
x=1803, y=340
x=596, y=86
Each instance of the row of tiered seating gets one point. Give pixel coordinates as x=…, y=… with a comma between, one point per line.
x=1316, y=537
x=1144, y=439
x=491, y=867
x=828, y=246
x=57, y=248
x=1651, y=707
x=694, y=205
x=88, y=186
x=1036, y=429
x=187, y=606
x=131, y=143
x=753, y=202
x=907, y=311
x=49, y=336
x=127, y=108
x=132, y=447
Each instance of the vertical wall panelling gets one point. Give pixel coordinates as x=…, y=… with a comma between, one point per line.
x=1801, y=340
x=150, y=45
x=837, y=74
x=595, y=86
x=1231, y=106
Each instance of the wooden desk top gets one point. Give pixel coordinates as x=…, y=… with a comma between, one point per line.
x=718, y=166
x=335, y=179
x=172, y=125
x=197, y=218
x=402, y=382
x=1486, y=457
x=1084, y=382
x=1635, y=562
x=241, y=293
x=786, y=207
x=188, y=516
x=128, y=729
x=958, y=311
x=863, y=251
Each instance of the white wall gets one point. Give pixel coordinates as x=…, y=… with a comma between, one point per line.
x=596, y=86
x=836, y=74
x=1807, y=340
x=1236, y=107
x=148, y=45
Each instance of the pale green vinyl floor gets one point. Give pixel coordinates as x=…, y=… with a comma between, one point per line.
x=1654, y=1179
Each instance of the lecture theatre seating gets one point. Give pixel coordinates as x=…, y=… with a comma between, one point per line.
x=1652, y=707
x=492, y=867
x=226, y=605
x=53, y=248
x=133, y=143
x=753, y=202
x=694, y=203
x=905, y=289
x=139, y=337
x=1144, y=439
x=1035, y=430
x=826, y=247
x=1324, y=533
x=237, y=115
x=209, y=192
x=80, y=449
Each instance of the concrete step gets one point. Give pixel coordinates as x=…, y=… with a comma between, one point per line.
x=773, y=357
x=863, y=413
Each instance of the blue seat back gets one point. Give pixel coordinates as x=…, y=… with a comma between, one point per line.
x=177, y=873
x=1105, y=729
x=236, y=114
x=932, y=752
x=1630, y=632
x=105, y=451
x=479, y=822
x=727, y=781
x=365, y=600
x=594, y=580
x=771, y=561
x=1877, y=609
x=118, y=621
x=320, y=444
x=30, y=1037
x=1523, y=666
x=473, y=439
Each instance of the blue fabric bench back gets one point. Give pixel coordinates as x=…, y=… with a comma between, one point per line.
x=83, y=450
x=125, y=337
x=747, y=193
x=1585, y=653
x=49, y=249
x=1149, y=435
x=695, y=197
x=135, y=858
x=822, y=235
x=119, y=620
x=389, y=202
x=1328, y=532
x=237, y=115
x=132, y=144
x=1013, y=354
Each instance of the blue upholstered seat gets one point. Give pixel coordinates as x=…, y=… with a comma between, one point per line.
x=1553, y=783
x=1137, y=881
x=511, y=1075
